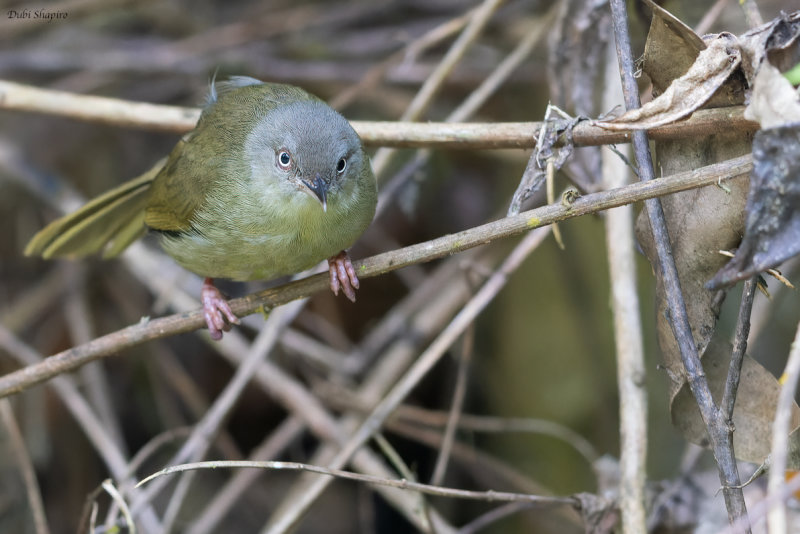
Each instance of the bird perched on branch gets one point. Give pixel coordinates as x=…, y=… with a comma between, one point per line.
x=270, y=182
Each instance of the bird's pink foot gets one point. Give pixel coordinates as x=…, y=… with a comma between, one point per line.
x=216, y=311
x=343, y=275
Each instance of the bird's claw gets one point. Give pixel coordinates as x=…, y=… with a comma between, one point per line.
x=343, y=275
x=216, y=310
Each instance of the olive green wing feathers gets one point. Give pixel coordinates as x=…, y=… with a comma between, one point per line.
x=167, y=197
x=108, y=223
x=178, y=191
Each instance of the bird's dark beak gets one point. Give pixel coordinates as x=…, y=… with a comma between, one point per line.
x=319, y=189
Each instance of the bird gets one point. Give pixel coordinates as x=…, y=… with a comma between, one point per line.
x=270, y=182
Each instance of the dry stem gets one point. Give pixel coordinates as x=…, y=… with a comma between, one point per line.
x=14, y=96
x=380, y=264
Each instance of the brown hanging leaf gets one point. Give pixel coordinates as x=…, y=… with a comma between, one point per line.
x=576, y=52
x=671, y=45
x=700, y=223
x=756, y=401
x=687, y=94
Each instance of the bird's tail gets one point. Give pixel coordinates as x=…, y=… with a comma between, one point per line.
x=108, y=223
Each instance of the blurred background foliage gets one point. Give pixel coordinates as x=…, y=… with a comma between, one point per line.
x=543, y=349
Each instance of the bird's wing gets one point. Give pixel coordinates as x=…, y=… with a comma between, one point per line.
x=177, y=192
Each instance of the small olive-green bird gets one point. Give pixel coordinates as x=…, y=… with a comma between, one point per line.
x=270, y=182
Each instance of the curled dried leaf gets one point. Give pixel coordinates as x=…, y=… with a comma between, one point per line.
x=687, y=94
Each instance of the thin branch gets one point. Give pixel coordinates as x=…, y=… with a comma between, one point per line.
x=479, y=464
x=23, y=461
x=287, y=391
x=534, y=34
x=489, y=496
x=155, y=445
x=418, y=370
x=200, y=440
x=16, y=96
x=295, y=397
x=76, y=404
x=433, y=83
x=398, y=338
x=717, y=426
x=175, y=119
x=467, y=346
x=32, y=303
x=710, y=17
x=781, y=428
x=420, y=417
x=149, y=329
x=119, y=500
x=454, y=54
x=786, y=489
x=492, y=516
x=93, y=377
x=466, y=109
x=621, y=247
x=208, y=519
x=412, y=50
x=751, y=13
x=739, y=347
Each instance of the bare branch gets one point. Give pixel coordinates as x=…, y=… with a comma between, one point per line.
x=490, y=496
x=149, y=329
x=14, y=96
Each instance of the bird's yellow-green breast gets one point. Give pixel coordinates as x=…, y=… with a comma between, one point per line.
x=227, y=207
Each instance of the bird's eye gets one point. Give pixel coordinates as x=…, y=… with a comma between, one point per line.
x=341, y=166
x=284, y=160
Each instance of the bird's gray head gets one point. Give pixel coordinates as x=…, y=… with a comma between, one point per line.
x=309, y=147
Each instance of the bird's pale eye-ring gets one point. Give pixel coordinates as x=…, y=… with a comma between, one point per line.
x=341, y=165
x=284, y=159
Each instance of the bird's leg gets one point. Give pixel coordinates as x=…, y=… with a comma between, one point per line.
x=343, y=275
x=216, y=311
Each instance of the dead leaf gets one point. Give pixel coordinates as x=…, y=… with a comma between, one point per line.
x=775, y=40
x=774, y=101
x=576, y=55
x=772, y=233
x=553, y=128
x=671, y=48
x=712, y=67
x=700, y=223
x=600, y=516
x=756, y=401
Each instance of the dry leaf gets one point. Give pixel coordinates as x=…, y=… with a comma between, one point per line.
x=687, y=94
x=774, y=101
x=772, y=233
x=775, y=40
x=756, y=402
x=700, y=223
x=671, y=49
x=576, y=55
